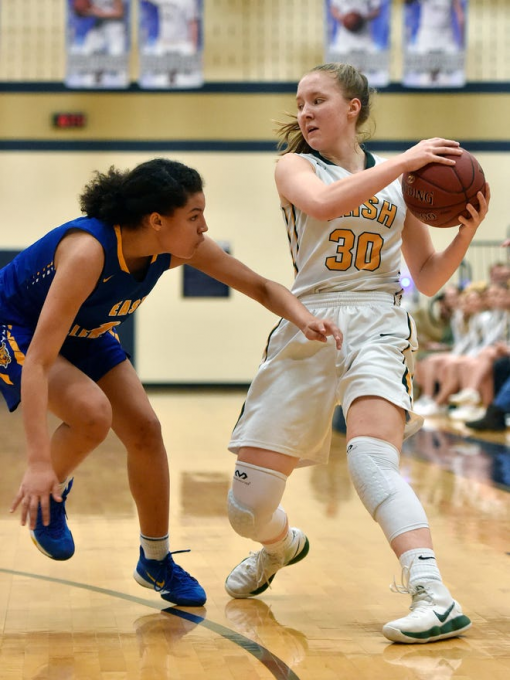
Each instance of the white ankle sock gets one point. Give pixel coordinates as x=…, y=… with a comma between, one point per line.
x=422, y=565
x=155, y=548
x=280, y=546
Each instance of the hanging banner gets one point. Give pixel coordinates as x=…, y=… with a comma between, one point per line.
x=171, y=43
x=357, y=33
x=434, y=43
x=98, y=43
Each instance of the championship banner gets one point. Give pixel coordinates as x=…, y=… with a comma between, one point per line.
x=357, y=33
x=98, y=43
x=434, y=43
x=171, y=44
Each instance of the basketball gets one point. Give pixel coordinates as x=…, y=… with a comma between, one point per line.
x=81, y=7
x=353, y=21
x=437, y=194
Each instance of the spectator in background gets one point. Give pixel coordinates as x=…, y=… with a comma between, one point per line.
x=474, y=373
x=436, y=368
x=495, y=416
x=434, y=322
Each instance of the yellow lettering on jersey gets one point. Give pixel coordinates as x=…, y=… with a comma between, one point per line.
x=134, y=306
x=354, y=213
x=369, y=211
x=78, y=332
x=387, y=214
x=103, y=328
x=125, y=308
x=114, y=311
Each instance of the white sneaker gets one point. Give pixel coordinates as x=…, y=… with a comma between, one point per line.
x=468, y=396
x=435, y=615
x=427, y=407
x=464, y=413
x=254, y=574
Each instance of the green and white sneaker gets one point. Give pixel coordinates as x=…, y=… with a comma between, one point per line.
x=255, y=574
x=435, y=615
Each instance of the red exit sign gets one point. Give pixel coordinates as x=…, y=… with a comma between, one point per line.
x=65, y=121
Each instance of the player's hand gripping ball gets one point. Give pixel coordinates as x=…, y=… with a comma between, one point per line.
x=353, y=21
x=438, y=194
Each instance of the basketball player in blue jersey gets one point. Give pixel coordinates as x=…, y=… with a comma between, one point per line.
x=347, y=227
x=61, y=301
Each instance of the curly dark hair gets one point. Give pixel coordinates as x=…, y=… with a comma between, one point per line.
x=126, y=197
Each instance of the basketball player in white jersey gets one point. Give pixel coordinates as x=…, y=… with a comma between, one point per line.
x=178, y=34
x=435, y=34
x=347, y=40
x=108, y=36
x=347, y=226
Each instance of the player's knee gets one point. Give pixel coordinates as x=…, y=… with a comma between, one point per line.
x=254, y=502
x=95, y=419
x=145, y=433
x=370, y=461
x=374, y=469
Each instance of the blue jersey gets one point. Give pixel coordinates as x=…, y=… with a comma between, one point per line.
x=24, y=282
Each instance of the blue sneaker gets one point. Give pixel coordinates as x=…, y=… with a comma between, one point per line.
x=55, y=540
x=169, y=580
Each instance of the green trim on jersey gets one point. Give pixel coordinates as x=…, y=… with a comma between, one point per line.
x=369, y=159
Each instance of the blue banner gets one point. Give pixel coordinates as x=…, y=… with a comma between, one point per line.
x=357, y=33
x=98, y=44
x=171, y=44
x=434, y=43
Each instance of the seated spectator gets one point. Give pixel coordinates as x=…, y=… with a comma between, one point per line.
x=495, y=416
x=434, y=322
x=474, y=372
x=438, y=369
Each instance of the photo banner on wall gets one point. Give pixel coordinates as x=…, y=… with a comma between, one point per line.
x=98, y=44
x=434, y=43
x=357, y=33
x=171, y=44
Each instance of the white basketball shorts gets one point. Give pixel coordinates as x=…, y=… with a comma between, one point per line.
x=289, y=406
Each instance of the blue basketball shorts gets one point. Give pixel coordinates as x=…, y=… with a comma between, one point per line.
x=93, y=357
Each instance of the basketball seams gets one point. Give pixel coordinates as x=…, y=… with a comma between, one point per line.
x=438, y=194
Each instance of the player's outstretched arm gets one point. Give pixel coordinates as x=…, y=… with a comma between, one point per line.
x=212, y=260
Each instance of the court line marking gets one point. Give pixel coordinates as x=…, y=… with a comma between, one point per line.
x=274, y=665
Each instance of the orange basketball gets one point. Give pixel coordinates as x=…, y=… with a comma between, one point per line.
x=437, y=194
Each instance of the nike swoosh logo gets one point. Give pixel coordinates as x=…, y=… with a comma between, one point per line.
x=160, y=584
x=108, y=278
x=420, y=557
x=443, y=617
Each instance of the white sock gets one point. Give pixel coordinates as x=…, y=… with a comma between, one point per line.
x=155, y=548
x=422, y=565
x=280, y=546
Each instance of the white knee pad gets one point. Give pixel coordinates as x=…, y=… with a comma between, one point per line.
x=254, y=507
x=374, y=469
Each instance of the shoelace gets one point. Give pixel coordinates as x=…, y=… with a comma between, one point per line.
x=170, y=571
x=419, y=593
x=264, y=563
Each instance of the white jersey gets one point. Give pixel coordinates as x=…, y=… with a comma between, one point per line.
x=436, y=15
x=363, y=7
x=360, y=251
x=175, y=17
x=105, y=5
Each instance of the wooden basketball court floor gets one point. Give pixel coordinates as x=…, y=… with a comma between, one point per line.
x=87, y=619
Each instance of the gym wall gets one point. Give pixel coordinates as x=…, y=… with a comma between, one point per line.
x=255, y=52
